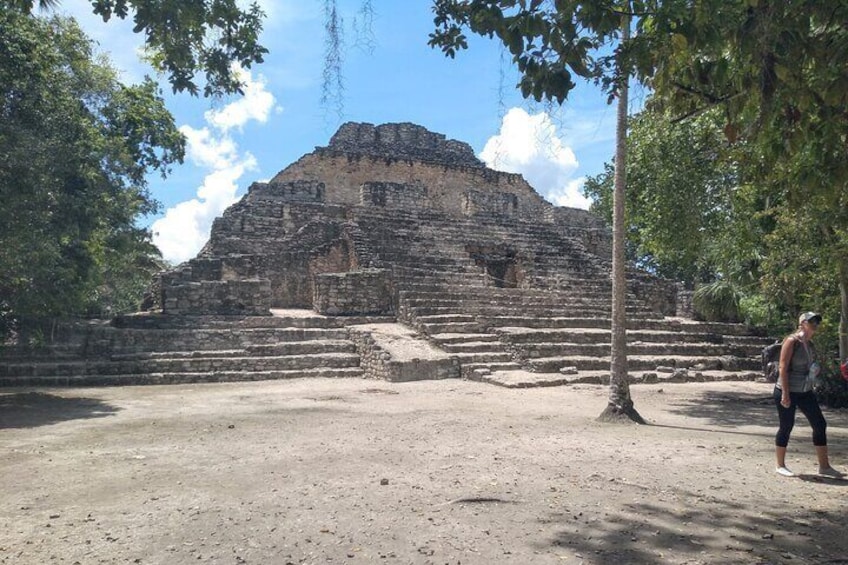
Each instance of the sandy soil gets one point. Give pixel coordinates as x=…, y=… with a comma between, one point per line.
x=356, y=471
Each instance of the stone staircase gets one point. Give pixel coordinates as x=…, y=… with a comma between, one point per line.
x=167, y=350
x=650, y=344
x=557, y=316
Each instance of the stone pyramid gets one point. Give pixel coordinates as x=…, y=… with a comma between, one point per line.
x=395, y=253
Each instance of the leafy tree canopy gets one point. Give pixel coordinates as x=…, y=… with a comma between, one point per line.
x=187, y=37
x=680, y=195
x=75, y=147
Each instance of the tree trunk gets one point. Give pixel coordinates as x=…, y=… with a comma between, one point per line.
x=843, y=311
x=620, y=406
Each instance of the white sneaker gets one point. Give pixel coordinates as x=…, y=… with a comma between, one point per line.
x=831, y=472
x=785, y=472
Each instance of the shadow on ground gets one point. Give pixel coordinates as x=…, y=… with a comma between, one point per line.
x=34, y=409
x=730, y=409
x=742, y=408
x=654, y=533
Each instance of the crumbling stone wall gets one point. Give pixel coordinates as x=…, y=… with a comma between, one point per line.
x=235, y=297
x=685, y=302
x=394, y=195
x=377, y=360
x=574, y=218
x=406, y=141
x=659, y=294
x=344, y=174
x=498, y=203
x=295, y=191
x=504, y=266
x=366, y=291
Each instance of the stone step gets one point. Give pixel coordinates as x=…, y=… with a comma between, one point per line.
x=419, y=256
x=177, y=377
x=505, y=308
x=500, y=294
x=527, y=311
x=511, y=304
x=634, y=335
x=547, y=308
x=129, y=341
x=520, y=324
x=473, y=346
x=482, y=357
x=449, y=338
x=639, y=363
x=450, y=327
x=182, y=365
x=276, y=349
x=58, y=352
x=303, y=348
x=442, y=318
x=581, y=319
x=527, y=379
x=716, y=327
x=519, y=238
x=155, y=355
x=277, y=319
x=540, y=350
x=469, y=369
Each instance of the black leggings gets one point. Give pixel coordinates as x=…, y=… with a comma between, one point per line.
x=809, y=406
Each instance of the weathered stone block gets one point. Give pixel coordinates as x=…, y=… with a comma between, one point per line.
x=366, y=291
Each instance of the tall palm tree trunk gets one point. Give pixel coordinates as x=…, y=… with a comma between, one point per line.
x=620, y=406
x=843, y=310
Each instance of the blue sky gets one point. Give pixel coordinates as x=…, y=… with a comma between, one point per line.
x=472, y=98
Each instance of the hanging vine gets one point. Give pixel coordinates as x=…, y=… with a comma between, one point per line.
x=363, y=28
x=332, y=85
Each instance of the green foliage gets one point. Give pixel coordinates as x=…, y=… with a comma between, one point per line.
x=755, y=309
x=777, y=70
x=717, y=301
x=75, y=146
x=186, y=38
x=832, y=390
x=550, y=42
x=680, y=195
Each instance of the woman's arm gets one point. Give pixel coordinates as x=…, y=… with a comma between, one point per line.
x=786, y=351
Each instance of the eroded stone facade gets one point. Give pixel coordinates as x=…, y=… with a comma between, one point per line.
x=333, y=211
x=417, y=262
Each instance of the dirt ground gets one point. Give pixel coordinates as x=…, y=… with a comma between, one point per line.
x=357, y=471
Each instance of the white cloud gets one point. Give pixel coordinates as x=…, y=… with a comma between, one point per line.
x=205, y=149
x=184, y=229
x=256, y=104
x=571, y=195
x=530, y=145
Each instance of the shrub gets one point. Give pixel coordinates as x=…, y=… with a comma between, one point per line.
x=717, y=302
x=832, y=390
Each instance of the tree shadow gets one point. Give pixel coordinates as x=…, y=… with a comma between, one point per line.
x=726, y=532
x=729, y=409
x=34, y=409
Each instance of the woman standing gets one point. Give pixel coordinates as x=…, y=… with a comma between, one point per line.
x=794, y=388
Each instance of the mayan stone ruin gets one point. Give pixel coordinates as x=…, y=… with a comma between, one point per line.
x=394, y=253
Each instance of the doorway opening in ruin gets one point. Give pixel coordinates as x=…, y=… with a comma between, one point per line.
x=500, y=264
